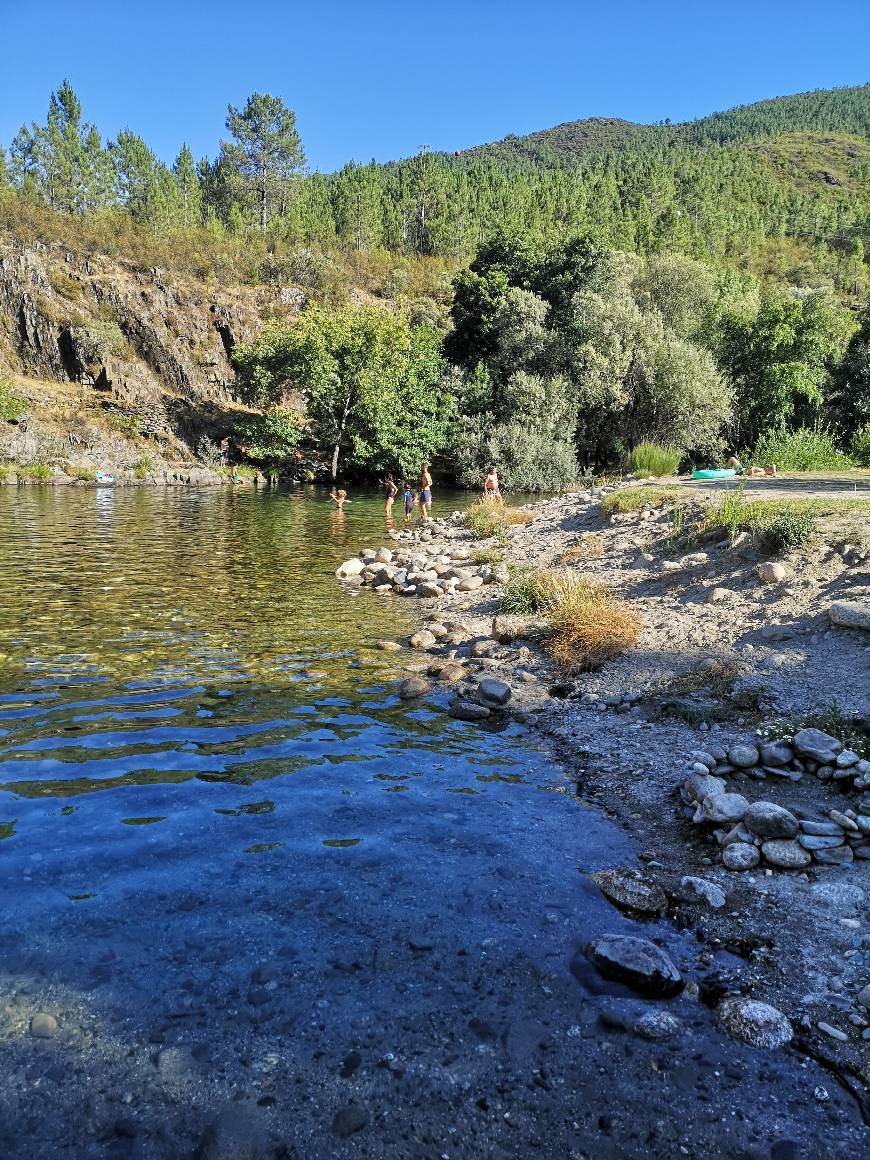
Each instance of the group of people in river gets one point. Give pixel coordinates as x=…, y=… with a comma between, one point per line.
x=419, y=496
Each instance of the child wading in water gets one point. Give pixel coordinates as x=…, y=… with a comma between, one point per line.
x=339, y=498
x=410, y=500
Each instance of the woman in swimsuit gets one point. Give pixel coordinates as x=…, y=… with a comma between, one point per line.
x=390, y=493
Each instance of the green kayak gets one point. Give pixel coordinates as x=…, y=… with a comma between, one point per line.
x=714, y=473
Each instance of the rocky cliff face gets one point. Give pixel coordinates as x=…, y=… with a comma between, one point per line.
x=150, y=349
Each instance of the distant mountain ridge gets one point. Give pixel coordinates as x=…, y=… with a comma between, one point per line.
x=842, y=110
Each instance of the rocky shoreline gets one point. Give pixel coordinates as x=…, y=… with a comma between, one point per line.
x=676, y=738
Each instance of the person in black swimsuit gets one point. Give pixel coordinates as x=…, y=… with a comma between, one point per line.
x=390, y=493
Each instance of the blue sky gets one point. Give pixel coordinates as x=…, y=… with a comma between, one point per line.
x=378, y=78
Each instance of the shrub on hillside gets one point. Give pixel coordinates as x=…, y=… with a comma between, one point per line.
x=655, y=460
x=801, y=450
x=12, y=406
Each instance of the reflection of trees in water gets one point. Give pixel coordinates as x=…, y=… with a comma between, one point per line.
x=149, y=581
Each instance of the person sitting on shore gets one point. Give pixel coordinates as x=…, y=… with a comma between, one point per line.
x=754, y=470
x=339, y=498
x=491, y=489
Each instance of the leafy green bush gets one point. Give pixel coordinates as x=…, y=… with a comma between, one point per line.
x=861, y=446
x=12, y=406
x=651, y=459
x=143, y=466
x=36, y=471
x=801, y=450
x=788, y=531
x=74, y=471
x=525, y=591
x=271, y=437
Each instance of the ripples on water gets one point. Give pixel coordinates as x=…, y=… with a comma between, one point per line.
x=180, y=671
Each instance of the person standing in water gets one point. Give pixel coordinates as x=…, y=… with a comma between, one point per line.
x=409, y=502
x=339, y=498
x=491, y=489
x=390, y=493
x=425, y=493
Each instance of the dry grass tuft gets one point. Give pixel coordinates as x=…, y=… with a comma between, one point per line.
x=589, y=626
x=591, y=547
x=489, y=519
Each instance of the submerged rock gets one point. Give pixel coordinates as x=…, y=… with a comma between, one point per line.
x=755, y=1023
x=628, y=889
x=468, y=711
x=638, y=963
x=413, y=687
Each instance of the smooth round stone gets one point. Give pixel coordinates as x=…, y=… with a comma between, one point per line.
x=785, y=854
x=820, y=841
x=413, y=687
x=44, y=1026
x=767, y=820
x=740, y=856
x=743, y=756
x=724, y=807
x=825, y=829
x=492, y=693
x=776, y=753
x=755, y=1023
x=658, y=1025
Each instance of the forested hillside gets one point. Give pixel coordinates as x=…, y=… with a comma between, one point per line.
x=549, y=302
x=727, y=188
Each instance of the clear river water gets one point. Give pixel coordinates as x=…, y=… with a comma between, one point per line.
x=248, y=894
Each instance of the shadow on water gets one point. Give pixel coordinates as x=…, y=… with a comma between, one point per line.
x=234, y=862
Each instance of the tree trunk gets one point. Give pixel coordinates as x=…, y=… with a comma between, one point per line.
x=337, y=445
x=263, y=209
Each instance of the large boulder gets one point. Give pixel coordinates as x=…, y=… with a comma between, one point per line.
x=631, y=891
x=413, y=687
x=818, y=746
x=776, y=753
x=766, y=820
x=753, y=1022
x=702, y=785
x=851, y=614
x=349, y=568
x=638, y=963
